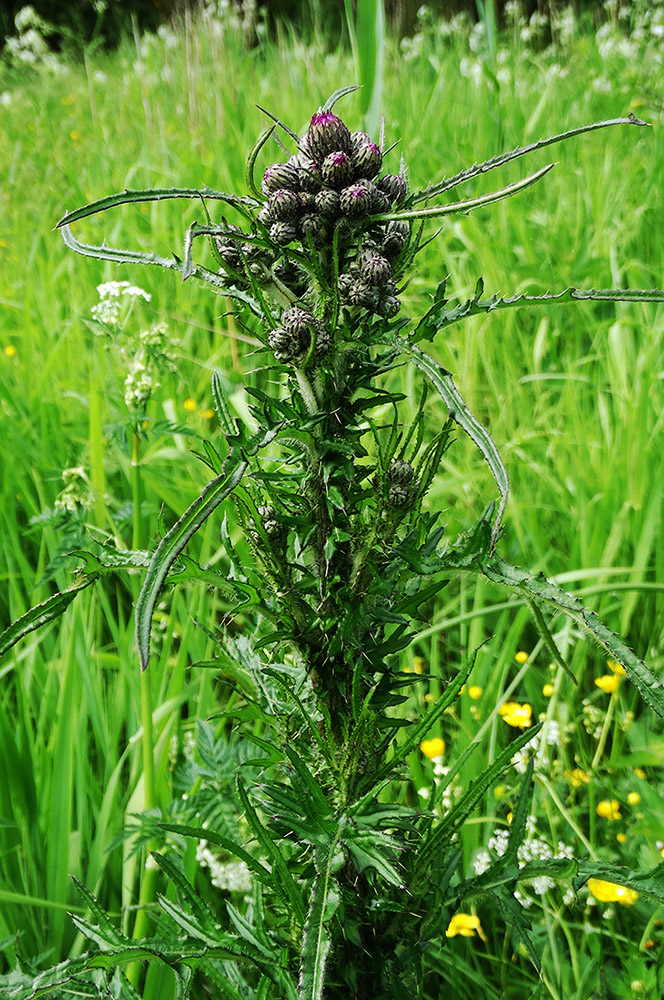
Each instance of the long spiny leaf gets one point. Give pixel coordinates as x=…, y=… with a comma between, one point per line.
x=128, y=197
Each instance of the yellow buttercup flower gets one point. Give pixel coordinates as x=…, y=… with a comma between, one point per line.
x=418, y=665
x=465, y=925
x=521, y=656
x=608, y=683
x=639, y=772
x=609, y=892
x=621, y=837
x=548, y=690
x=189, y=405
x=577, y=777
x=10, y=350
x=609, y=809
x=474, y=692
x=433, y=748
x=616, y=668
x=208, y=414
x=514, y=714
x=633, y=798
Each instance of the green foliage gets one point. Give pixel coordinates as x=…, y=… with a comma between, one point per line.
x=330, y=840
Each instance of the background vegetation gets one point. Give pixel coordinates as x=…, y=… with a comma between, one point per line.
x=574, y=398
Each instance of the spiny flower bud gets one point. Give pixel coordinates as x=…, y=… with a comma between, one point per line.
x=400, y=477
x=374, y=269
x=396, y=237
x=367, y=160
x=282, y=233
x=280, y=175
x=308, y=173
x=346, y=282
x=326, y=134
x=389, y=306
x=300, y=326
x=285, y=346
x=364, y=295
x=336, y=169
x=284, y=205
x=327, y=203
x=312, y=225
x=356, y=200
x=265, y=216
x=394, y=186
x=228, y=248
x=273, y=527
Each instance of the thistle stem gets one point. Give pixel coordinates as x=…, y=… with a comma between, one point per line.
x=136, y=535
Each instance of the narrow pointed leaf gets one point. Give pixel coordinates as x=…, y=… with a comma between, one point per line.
x=541, y=589
x=459, y=412
x=170, y=547
x=323, y=903
x=497, y=161
x=469, y=204
x=251, y=161
x=50, y=609
x=438, y=316
x=202, y=833
x=333, y=98
x=128, y=197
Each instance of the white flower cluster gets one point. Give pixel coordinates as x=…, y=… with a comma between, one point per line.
x=548, y=737
x=533, y=848
x=107, y=310
x=230, y=876
x=28, y=46
x=76, y=494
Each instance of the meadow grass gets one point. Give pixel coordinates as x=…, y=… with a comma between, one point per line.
x=573, y=397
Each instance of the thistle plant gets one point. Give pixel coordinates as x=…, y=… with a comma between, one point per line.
x=355, y=885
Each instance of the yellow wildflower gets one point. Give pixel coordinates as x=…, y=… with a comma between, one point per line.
x=608, y=683
x=499, y=791
x=208, y=414
x=639, y=772
x=433, y=748
x=464, y=924
x=577, y=777
x=616, y=668
x=418, y=665
x=514, y=714
x=510, y=817
x=621, y=837
x=189, y=405
x=633, y=798
x=429, y=697
x=10, y=350
x=548, y=690
x=521, y=657
x=609, y=809
x=609, y=892
x=474, y=692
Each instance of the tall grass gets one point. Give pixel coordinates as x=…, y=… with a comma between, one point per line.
x=573, y=397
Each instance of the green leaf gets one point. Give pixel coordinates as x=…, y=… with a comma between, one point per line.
x=226, y=421
x=154, y=194
x=50, y=609
x=469, y=204
x=513, y=915
x=323, y=903
x=282, y=875
x=262, y=873
x=171, y=545
x=459, y=412
x=497, y=161
x=137, y=257
x=251, y=161
x=105, y=922
x=541, y=589
x=438, y=316
x=333, y=98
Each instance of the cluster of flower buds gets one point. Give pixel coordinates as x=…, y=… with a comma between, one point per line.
x=332, y=182
x=299, y=334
